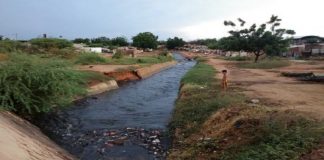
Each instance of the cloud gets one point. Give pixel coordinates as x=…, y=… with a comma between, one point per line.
x=208, y=29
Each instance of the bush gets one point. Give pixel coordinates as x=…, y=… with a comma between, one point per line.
x=90, y=58
x=47, y=43
x=282, y=138
x=7, y=46
x=29, y=84
x=118, y=55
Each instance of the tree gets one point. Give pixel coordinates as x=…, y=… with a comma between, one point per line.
x=175, y=42
x=259, y=40
x=1, y=37
x=119, y=41
x=145, y=40
x=101, y=41
x=82, y=40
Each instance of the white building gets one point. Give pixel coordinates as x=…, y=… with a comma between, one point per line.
x=95, y=49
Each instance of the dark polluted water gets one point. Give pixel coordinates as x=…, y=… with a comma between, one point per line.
x=127, y=123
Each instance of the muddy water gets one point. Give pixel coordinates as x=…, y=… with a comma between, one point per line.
x=128, y=123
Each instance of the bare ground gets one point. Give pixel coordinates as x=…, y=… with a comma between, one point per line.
x=275, y=90
x=280, y=92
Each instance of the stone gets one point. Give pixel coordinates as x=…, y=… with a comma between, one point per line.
x=255, y=101
x=156, y=141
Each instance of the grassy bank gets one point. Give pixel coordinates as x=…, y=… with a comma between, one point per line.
x=212, y=124
x=31, y=84
x=199, y=98
x=93, y=58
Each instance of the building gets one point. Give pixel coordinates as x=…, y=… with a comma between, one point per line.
x=306, y=46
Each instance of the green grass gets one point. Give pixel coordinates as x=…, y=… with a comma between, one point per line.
x=199, y=98
x=201, y=74
x=139, y=60
x=281, y=138
x=90, y=58
x=30, y=84
x=265, y=64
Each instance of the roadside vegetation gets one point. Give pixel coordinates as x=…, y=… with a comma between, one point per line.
x=30, y=84
x=90, y=58
x=40, y=75
x=139, y=60
x=209, y=123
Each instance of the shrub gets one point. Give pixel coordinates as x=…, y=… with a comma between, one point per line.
x=7, y=46
x=29, y=84
x=47, y=43
x=118, y=55
x=90, y=58
x=283, y=137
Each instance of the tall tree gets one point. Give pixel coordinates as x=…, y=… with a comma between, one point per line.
x=145, y=40
x=266, y=38
x=82, y=40
x=175, y=42
x=119, y=41
x=104, y=41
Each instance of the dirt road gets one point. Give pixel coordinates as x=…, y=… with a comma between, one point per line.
x=274, y=90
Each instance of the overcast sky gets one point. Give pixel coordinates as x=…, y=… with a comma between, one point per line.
x=189, y=19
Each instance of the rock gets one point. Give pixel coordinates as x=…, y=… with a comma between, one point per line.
x=255, y=101
x=108, y=144
x=156, y=141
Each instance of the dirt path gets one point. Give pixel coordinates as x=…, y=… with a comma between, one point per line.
x=277, y=91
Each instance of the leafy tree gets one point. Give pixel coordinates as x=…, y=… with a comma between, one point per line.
x=259, y=40
x=119, y=41
x=1, y=37
x=145, y=40
x=82, y=40
x=102, y=41
x=175, y=42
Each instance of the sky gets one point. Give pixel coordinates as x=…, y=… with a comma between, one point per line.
x=188, y=19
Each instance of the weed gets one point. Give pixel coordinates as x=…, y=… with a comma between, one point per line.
x=118, y=55
x=90, y=58
x=30, y=84
x=282, y=138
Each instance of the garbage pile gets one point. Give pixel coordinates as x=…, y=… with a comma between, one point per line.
x=305, y=76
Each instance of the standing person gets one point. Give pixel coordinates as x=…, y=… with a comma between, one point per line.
x=224, y=79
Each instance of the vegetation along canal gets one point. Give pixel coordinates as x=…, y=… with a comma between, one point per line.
x=128, y=123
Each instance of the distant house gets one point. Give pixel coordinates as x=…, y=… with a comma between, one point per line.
x=95, y=49
x=306, y=46
x=82, y=47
